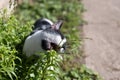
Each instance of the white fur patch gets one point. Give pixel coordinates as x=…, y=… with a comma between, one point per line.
x=62, y=42
x=32, y=44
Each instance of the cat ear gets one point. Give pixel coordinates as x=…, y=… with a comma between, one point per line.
x=57, y=25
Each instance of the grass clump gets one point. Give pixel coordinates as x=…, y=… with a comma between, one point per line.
x=11, y=34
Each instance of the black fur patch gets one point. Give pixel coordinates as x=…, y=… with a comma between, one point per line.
x=45, y=45
x=33, y=32
x=41, y=25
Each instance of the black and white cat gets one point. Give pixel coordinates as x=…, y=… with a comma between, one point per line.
x=46, y=35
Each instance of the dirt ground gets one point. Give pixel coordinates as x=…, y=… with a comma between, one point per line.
x=102, y=37
x=4, y=3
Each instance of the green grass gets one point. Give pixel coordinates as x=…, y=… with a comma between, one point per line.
x=14, y=65
x=11, y=34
